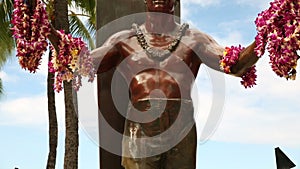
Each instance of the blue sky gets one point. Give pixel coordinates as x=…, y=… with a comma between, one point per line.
x=254, y=121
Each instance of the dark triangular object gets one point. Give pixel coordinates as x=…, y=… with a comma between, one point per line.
x=282, y=161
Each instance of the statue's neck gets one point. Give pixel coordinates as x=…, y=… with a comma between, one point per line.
x=160, y=23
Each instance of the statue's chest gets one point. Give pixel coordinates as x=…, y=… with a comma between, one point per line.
x=136, y=60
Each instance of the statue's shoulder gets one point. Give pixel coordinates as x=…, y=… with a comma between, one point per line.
x=195, y=33
x=121, y=36
x=199, y=36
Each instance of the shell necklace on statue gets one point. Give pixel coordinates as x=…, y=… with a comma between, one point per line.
x=156, y=53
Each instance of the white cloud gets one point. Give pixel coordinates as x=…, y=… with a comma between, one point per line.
x=30, y=112
x=232, y=38
x=246, y=123
x=2, y=74
x=266, y=114
x=228, y=26
x=8, y=78
x=186, y=5
x=233, y=32
x=261, y=4
x=33, y=112
x=24, y=111
x=202, y=3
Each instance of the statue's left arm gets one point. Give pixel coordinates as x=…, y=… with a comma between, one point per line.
x=247, y=58
x=210, y=53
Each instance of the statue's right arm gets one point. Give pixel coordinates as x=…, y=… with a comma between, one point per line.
x=108, y=55
x=105, y=57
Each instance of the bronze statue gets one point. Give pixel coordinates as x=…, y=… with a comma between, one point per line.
x=155, y=57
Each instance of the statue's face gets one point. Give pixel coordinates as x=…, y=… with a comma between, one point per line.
x=165, y=6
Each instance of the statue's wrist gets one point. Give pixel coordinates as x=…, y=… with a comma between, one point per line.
x=230, y=59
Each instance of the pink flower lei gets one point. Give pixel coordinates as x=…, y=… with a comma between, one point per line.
x=30, y=31
x=279, y=28
x=71, y=63
x=230, y=58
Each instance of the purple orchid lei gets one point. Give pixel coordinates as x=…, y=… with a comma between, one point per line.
x=278, y=28
x=30, y=31
x=230, y=58
x=71, y=63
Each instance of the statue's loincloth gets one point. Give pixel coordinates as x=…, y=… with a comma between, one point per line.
x=154, y=129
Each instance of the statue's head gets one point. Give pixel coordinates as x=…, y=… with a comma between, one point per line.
x=164, y=6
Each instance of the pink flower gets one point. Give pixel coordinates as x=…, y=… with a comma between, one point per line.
x=31, y=31
x=279, y=28
x=230, y=58
x=249, y=77
x=72, y=61
x=31, y=40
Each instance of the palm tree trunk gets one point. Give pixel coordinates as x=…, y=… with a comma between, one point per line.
x=53, y=137
x=53, y=128
x=72, y=139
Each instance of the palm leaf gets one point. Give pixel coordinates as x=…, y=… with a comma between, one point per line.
x=86, y=6
x=6, y=39
x=6, y=43
x=78, y=28
x=92, y=25
x=1, y=87
x=6, y=8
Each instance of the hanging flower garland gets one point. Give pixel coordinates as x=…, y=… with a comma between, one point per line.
x=71, y=63
x=279, y=28
x=30, y=31
x=230, y=58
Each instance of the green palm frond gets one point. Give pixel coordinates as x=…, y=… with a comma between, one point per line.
x=92, y=24
x=1, y=88
x=6, y=47
x=87, y=6
x=88, y=9
x=6, y=8
x=78, y=28
x=6, y=39
x=49, y=8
